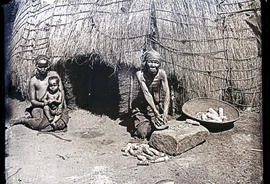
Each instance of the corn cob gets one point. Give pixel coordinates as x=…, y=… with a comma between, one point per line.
x=161, y=159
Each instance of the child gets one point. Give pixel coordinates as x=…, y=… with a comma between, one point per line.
x=53, y=101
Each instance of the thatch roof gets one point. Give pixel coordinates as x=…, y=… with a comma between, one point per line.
x=206, y=41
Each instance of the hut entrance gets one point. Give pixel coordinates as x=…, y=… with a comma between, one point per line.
x=92, y=86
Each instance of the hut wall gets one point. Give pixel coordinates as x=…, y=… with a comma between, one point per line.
x=68, y=28
x=125, y=83
x=211, y=47
x=207, y=45
x=128, y=88
x=242, y=54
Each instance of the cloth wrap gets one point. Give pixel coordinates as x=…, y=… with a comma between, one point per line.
x=40, y=121
x=143, y=117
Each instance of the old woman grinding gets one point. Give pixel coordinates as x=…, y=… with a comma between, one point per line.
x=149, y=112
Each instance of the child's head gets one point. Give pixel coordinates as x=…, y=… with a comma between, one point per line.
x=53, y=83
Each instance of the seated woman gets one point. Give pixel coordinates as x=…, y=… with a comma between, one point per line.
x=149, y=113
x=37, y=90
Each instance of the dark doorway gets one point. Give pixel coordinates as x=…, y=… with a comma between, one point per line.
x=103, y=94
x=92, y=85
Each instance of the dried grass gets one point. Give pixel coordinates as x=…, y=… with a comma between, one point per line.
x=208, y=43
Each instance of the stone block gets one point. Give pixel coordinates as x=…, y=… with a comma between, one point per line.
x=178, y=138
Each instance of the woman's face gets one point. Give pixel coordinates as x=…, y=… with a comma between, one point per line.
x=153, y=66
x=42, y=66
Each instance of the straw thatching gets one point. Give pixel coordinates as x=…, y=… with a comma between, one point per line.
x=209, y=49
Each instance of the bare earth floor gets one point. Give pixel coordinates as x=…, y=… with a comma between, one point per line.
x=94, y=154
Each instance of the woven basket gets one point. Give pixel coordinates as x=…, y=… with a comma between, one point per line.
x=192, y=107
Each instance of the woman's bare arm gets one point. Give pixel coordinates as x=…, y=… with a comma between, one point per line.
x=166, y=88
x=147, y=94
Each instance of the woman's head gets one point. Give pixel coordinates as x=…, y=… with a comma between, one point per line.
x=42, y=64
x=151, y=61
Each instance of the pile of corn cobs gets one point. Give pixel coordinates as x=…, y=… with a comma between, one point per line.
x=144, y=153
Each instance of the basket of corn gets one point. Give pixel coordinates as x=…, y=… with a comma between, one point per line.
x=210, y=110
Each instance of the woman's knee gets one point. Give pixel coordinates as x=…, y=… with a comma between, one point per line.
x=144, y=130
x=37, y=113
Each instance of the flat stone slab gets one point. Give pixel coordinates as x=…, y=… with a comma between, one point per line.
x=178, y=138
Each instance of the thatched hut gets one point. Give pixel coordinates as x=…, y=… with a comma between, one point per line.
x=95, y=45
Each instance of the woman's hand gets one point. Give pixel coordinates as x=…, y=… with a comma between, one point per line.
x=160, y=122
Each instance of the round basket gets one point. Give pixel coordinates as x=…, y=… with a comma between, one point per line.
x=192, y=107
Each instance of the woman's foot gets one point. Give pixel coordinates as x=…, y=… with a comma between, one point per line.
x=48, y=128
x=13, y=122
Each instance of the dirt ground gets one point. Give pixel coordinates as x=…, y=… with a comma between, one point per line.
x=94, y=154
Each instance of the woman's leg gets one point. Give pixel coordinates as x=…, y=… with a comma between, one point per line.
x=32, y=122
x=142, y=126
